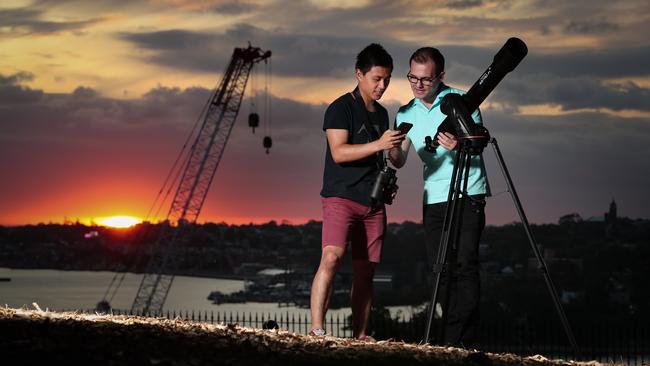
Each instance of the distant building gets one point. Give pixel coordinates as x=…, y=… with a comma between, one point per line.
x=610, y=220
x=611, y=215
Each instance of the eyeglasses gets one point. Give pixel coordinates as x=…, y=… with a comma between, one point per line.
x=425, y=81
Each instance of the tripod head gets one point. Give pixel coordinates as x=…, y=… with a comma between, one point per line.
x=459, y=108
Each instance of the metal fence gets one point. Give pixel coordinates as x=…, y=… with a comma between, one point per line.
x=629, y=344
x=338, y=326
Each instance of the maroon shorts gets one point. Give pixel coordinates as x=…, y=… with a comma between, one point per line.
x=346, y=221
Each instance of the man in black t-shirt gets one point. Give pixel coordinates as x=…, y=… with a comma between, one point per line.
x=356, y=127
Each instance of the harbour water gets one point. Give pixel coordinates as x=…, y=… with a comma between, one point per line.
x=82, y=290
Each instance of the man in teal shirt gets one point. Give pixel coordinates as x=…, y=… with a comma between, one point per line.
x=425, y=77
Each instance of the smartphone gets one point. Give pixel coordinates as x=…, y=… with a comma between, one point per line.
x=404, y=127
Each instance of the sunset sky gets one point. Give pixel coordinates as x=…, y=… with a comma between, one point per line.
x=97, y=98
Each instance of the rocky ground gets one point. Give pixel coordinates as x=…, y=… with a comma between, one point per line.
x=43, y=338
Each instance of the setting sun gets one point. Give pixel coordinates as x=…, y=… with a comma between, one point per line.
x=119, y=221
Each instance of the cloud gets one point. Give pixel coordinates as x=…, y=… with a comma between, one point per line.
x=601, y=64
x=82, y=139
x=323, y=55
x=174, y=40
x=574, y=80
x=16, y=78
x=586, y=58
x=590, y=26
x=12, y=93
x=464, y=4
x=85, y=140
x=234, y=7
x=573, y=93
x=29, y=21
x=293, y=55
x=569, y=163
x=84, y=113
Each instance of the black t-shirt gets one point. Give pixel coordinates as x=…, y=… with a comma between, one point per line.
x=352, y=180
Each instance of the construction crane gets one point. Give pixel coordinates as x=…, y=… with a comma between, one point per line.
x=199, y=168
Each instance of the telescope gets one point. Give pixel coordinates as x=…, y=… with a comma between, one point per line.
x=472, y=139
x=459, y=108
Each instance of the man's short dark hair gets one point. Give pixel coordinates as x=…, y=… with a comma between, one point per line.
x=373, y=55
x=424, y=54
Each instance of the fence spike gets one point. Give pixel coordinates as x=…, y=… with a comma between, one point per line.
x=299, y=323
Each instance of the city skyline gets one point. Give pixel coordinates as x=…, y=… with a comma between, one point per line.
x=96, y=100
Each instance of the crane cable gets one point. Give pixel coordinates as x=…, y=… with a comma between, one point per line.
x=267, y=105
x=176, y=172
x=254, y=92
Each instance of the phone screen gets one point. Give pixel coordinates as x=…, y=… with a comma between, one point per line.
x=404, y=127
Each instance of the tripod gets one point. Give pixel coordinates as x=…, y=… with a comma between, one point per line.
x=452, y=225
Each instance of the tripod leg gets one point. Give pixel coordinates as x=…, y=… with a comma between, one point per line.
x=448, y=334
x=533, y=244
x=466, y=162
x=448, y=229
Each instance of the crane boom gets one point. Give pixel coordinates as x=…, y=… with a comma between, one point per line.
x=199, y=169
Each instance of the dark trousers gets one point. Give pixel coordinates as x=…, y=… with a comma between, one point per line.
x=459, y=290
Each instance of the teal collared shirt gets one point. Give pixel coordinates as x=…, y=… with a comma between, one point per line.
x=438, y=166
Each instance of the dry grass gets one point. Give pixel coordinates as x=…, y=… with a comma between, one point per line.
x=34, y=337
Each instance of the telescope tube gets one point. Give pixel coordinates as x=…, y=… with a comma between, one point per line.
x=508, y=57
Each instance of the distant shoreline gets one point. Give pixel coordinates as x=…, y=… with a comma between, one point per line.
x=220, y=276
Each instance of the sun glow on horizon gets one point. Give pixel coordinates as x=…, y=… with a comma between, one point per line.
x=119, y=221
